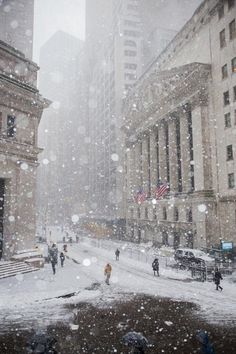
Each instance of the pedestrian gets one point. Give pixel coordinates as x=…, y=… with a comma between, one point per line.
x=62, y=258
x=155, y=267
x=77, y=239
x=53, y=255
x=117, y=253
x=65, y=248
x=107, y=273
x=207, y=347
x=217, y=279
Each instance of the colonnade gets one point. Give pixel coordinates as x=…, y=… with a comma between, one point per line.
x=163, y=154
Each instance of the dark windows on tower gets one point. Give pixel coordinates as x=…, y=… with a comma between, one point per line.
x=229, y=152
x=226, y=98
x=11, y=126
x=222, y=39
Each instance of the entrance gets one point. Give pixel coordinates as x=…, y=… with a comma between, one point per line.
x=2, y=190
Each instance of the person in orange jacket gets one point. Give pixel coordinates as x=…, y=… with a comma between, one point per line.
x=107, y=273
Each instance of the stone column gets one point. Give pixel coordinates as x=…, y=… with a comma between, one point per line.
x=138, y=168
x=132, y=185
x=202, y=148
x=185, y=152
x=162, y=153
x=145, y=163
x=173, y=157
x=153, y=160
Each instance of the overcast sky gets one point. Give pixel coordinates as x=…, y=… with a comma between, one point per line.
x=54, y=15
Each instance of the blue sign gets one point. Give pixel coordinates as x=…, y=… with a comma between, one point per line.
x=227, y=246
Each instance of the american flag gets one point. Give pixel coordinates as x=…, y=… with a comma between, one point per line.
x=140, y=196
x=161, y=189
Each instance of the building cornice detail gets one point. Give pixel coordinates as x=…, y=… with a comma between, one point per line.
x=164, y=93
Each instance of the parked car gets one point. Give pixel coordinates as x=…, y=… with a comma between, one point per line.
x=188, y=256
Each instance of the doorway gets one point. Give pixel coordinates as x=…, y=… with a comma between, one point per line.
x=2, y=192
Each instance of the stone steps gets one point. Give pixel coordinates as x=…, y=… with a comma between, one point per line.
x=10, y=269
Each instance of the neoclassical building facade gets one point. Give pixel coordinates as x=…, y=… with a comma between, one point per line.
x=21, y=108
x=176, y=131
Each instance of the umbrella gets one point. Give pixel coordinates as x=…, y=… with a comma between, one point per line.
x=135, y=340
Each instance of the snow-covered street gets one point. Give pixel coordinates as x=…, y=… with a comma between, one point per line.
x=38, y=297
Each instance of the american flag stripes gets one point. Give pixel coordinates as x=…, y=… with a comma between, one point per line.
x=161, y=189
x=140, y=196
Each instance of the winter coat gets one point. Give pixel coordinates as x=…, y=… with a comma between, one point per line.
x=217, y=277
x=207, y=347
x=117, y=252
x=155, y=264
x=62, y=256
x=53, y=254
x=107, y=269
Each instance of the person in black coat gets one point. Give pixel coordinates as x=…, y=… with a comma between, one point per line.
x=62, y=258
x=155, y=266
x=117, y=253
x=217, y=279
x=53, y=254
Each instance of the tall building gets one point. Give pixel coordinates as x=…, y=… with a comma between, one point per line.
x=179, y=130
x=61, y=178
x=21, y=108
x=119, y=36
x=16, y=24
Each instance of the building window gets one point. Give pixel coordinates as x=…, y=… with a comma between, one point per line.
x=229, y=150
x=222, y=39
x=234, y=88
x=227, y=120
x=130, y=43
x=224, y=71
x=131, y=23
x=131, y=213
x=189, y=215
x=233, y=62
x=0, y=123
x=226, y=98
x=146, y=213
x=154, y=213
x=131, y=33
x=231, y=180
x=176, y=214
x=232, y=30
x=11, y=129
x=230, y=4
x=132, y=7
x=220, y=11
x=138, y=213
x=164, y=213
x=130, y=66
x=130, y=76
x=130, y=53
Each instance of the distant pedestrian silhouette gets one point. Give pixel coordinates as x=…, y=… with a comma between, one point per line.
x=62, y=258
x=117, y=253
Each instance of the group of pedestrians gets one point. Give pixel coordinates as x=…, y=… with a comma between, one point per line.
x=53, y=257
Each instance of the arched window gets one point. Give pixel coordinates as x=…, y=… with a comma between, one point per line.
x=138, y=213
x=176, y=214
x=189, y=215
x=164, y=213
x=146, y=213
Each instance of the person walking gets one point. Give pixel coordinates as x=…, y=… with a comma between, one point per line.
x=107, y=273
x=117, y=253
x=155, y=267
x=53, y=255
x=217, y=279
x=62, y=258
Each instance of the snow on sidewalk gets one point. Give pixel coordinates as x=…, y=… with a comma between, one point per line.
x=130, y=275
